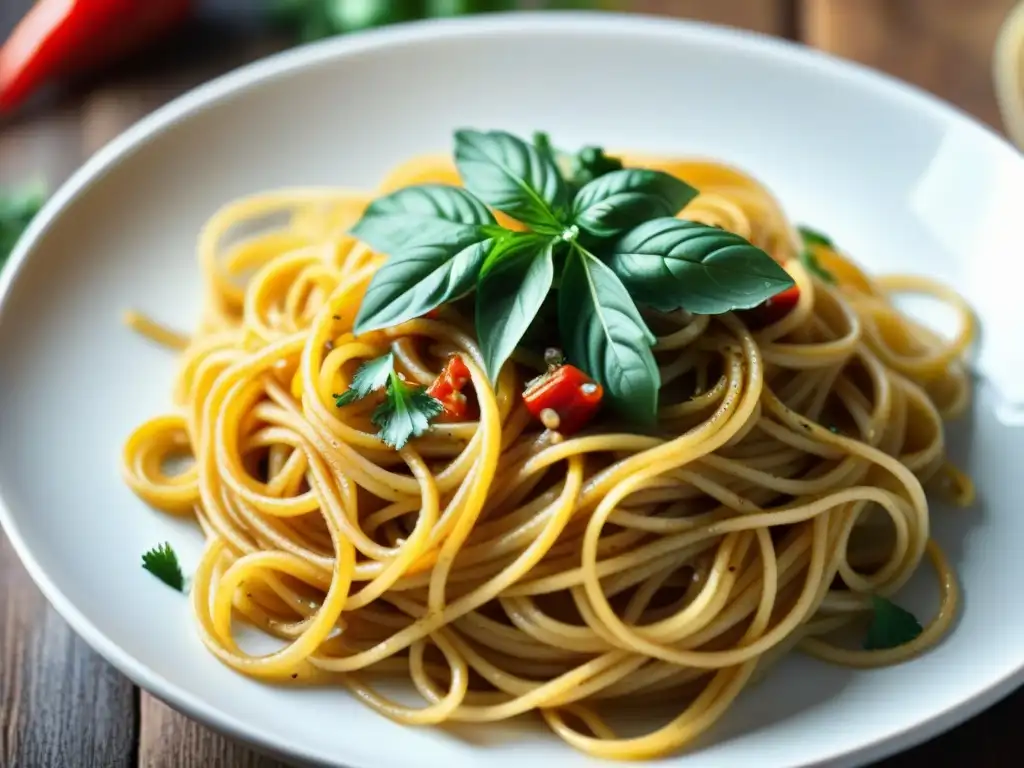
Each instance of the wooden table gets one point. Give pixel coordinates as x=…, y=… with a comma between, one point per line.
x=61, y=705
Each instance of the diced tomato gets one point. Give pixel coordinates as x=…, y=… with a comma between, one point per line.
x=771, y=310
x=564, y=399
x=447, y=388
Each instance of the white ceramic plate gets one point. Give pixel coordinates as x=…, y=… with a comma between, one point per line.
x=899, y=179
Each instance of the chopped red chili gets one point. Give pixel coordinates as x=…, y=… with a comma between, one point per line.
x=60, y=37
x=564, y=399
x=448, y=386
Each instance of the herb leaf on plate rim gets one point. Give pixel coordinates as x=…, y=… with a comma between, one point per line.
x=162, y=562
x=891, y=625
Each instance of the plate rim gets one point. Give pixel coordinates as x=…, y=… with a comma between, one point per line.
x=295, y=59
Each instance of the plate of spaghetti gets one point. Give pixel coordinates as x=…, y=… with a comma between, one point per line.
x=414, y=394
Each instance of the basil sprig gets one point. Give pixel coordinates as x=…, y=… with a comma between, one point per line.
x=604, y=238
x=677, y=264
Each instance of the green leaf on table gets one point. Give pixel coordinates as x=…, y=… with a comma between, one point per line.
x=603, y=334
x=405, y=413
x=891, y=626
x=162, y=562
x=354, y=15
x=435, y=8
x=425, y=214
x=369, y=377
x=619, y=201
x=512, y=176
x=17, y=209
x=513, y=285
x=414, y=281
x=674, y=264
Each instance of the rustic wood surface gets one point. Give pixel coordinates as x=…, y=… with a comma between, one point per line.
x=63, y=706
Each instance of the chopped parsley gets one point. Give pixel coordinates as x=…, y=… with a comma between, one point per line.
x=162, y=562
x=370, y=377
x=891, y=626
x=405, y=412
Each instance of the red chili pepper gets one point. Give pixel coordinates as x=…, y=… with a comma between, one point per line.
x=771, y=310
x=563, y=399
x=447, y=388
x=57, y=37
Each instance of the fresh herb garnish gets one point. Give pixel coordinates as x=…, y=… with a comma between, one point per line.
x=602, y=237
x=162, y=562
x=369, y=377
x=812, y=238
x=513, y=284
x=17, y=209
x=674, y=264
x=621, y=200
x=317, y=19
x=513, y=177
x=891, y=626
x=603, y=332
x=581, y=168
x=405, y=412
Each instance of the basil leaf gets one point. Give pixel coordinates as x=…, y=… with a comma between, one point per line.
x=591, y=163
x=673, y=263
x=621, y=200
x=512, y=176
x=579, y=169
x=891, y=626
x=513, y=284
x=424, y=214
x=542, y=143
x=414, y=281
x=604, y=335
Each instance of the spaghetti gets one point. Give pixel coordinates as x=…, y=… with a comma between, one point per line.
x=504, y=568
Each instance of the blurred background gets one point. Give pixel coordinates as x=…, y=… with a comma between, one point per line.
x=75, y=73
